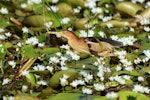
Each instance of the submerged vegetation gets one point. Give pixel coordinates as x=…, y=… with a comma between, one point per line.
x=38, y=66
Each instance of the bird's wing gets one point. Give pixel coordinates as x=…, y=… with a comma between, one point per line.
x=100, y=48
x=98, y=39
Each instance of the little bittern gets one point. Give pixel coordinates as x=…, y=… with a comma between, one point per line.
x=91, y=45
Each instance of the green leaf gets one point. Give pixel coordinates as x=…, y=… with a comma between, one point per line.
x=72, y=96
x=4, y=23
x=29, y=51
x=46, y=92
x=55, y=80
x=42, y=37
x=133, y=73
x=31, y=78
x=125, y=95
x=101, y=98
x=2, y=51
x=25, y=97
x=49, y=50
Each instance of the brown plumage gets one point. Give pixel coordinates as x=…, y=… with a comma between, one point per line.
x=96, y=46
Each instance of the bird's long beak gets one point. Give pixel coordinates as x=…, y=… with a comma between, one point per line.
x=57, y=33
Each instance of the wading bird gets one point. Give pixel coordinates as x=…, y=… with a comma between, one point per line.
x=90, y=45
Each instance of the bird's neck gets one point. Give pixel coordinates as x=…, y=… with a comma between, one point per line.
x=73, y=37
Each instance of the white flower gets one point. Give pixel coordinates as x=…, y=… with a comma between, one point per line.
x=121, y=54
x=147, y=29
x=86, y=91
x=129, y=68
x=55, y=1
x=74, y=83
x=147, y=4
x=87, y=25
x=41, y=45
x=140, y=78
x=50, y=68
x=138, y=88
x=107, y=69
x=34, y=1
x=12, y=63
x=63, y=59
x=63, y=68
x=65, y=20
x=137, y=61
x=99, y=87
x=25, y=30
x=70, y=29
x=111, y=78
x=72, y=55
x=149, y=37
x=24, y=87
x=83, y=66
x=90, y=3
x=67, y=47
x=75, y=57
x=147, y=53
x=126, y=23
x=59, y=54
x=63, y=80
x=96, y=10
x=127, y=40
x=145, y=21
x=77, y=10
x=126, y=62
x=100, y=73
x=138, y=1
x=1, y=30
x=6, y=81
x=119, y=79
x=96, y=63
x=2, y=37
x=146, y=59
x=8, y=98
x=25, y=72
x=23, y=5
x=19, y=44
x=41, y=82
x=81, y=82
x=102, y=34
x=146, y=90
x=53, y=8
x=48, y=24
x=90, y=33
x=4, y=10
x=83, y=73
x=118, y=68
x=8, y=34
x=88, y=77
x=131, y=29
x=32, y=41
x=111, y=95
x=54, y=60
x=109, y=25
x=114, y=37
x=83, y=33
x=39, y=67
x=106, y=18
x=126, y=77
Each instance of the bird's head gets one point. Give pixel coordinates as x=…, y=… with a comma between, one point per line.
x=66, y=34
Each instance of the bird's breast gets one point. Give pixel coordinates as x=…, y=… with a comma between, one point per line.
x=79, y=45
